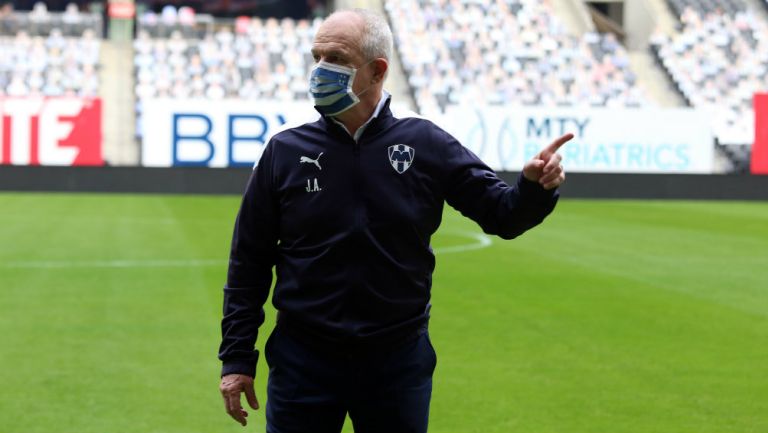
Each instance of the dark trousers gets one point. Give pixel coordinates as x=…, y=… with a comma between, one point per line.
x=311, y=390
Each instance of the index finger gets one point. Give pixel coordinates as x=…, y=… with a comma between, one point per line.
x=555, y=145
x=234, y=408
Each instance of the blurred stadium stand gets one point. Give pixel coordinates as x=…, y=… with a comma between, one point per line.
x=248, y=58
x=714, y=53
x=296, y=9
x=704, y=7
x=182, y=54
x=718, y=59
x=40, y=21
x=46, y=53
x=507, y=52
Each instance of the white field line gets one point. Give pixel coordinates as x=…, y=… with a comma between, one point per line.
x=480, y=241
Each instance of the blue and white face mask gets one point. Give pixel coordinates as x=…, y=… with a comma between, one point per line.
x=331, y=88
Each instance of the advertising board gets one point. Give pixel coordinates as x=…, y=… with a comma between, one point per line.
x=759, y=163
x=606, y=140
x=232, y=133
x=229, y=133
x=50, y=131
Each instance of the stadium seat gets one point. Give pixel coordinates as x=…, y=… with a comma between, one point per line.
x=718, y=60
x=55, y=65
x=506, y=52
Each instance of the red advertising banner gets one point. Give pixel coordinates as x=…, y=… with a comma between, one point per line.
x=50, y=131
x=122, y=10
x=760, y=146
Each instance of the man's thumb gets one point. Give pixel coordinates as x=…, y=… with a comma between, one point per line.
x=532, y=169
x=537, y=164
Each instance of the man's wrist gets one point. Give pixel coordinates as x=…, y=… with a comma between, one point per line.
x=238, y=366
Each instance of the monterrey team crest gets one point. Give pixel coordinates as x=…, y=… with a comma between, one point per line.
x=401, y=157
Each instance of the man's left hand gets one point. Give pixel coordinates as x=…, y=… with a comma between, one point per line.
x=232, y=385
x=545, y=167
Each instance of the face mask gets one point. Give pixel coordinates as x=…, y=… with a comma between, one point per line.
x=331, y=87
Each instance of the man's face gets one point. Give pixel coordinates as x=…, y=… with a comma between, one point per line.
x=338, y=42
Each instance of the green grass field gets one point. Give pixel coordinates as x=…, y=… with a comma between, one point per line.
x=613, y=316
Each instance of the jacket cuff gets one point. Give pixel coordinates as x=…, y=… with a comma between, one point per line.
x=246, y=367
x=534, y=190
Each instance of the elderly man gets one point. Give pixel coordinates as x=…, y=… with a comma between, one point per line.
x=344, y=208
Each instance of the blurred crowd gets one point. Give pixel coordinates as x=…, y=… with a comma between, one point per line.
x=703, y=7
x=458, y=52
x=296, y=9
x=169, y=20
x=42, y=58
x=253, y=59
x=258, y=59
x=718, y=60
x=40, y=21
x=454, y=52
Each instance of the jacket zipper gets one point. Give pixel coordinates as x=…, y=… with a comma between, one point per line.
x=356, y=180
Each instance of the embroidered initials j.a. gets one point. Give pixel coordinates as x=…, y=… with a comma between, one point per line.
x=313, y=187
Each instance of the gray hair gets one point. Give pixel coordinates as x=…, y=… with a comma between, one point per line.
x=377, y=40
x=377, y=36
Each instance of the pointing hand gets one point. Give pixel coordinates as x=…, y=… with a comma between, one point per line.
x=545, y=167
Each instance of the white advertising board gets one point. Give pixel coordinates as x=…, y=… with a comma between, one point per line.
x=606, y=140
x=232, y=133
x=199, y=132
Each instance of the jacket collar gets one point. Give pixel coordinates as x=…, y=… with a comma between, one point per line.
x=375, y=123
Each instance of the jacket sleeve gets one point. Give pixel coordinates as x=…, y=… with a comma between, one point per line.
x=249, y=278
x=474, y=189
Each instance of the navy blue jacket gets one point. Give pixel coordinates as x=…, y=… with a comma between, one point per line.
x=347, y=225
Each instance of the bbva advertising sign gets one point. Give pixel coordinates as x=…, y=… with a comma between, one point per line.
x=229, y=133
